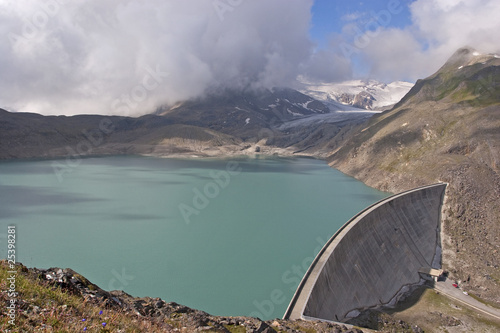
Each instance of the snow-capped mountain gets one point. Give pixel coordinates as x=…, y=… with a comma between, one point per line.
x=368, y=95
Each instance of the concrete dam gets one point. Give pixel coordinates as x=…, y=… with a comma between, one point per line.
x=373, y=258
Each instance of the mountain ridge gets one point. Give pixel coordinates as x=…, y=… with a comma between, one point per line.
x=237, y=123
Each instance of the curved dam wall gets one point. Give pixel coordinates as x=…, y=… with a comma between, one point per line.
x=372, y=257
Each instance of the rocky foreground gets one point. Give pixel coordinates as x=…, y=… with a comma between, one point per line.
x=61, y=300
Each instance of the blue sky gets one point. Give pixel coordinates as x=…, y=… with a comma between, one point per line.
x=341, y=21
x=338, y=23
x=330, y=16
x=390, y=40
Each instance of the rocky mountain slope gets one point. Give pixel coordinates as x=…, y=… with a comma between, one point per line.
x=243, y=113
x=368, y=94
x=226, y=123
x=27, y=135
x=447, y=128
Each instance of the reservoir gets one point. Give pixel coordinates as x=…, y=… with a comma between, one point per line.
x=229, y=237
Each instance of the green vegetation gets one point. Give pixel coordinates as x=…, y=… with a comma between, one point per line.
x=435, y=312
x=41, y=306
x=474, y=86
x=492, y=304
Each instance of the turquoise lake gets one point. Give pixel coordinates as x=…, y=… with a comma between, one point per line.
x=230, y=237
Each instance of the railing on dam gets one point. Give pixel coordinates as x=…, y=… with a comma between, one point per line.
x=372, y=257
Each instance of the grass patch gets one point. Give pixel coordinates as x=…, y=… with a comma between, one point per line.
x=41, y=306
x=477, y=298
x=433, y=312
x=435, y=299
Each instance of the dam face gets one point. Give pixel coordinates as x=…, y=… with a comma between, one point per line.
x=372, y=257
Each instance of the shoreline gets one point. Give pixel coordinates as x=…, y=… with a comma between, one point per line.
x=217, y=154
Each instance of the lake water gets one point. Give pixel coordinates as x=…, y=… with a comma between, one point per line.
x=230, y=237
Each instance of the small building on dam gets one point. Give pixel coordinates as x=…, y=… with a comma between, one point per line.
x=374, y=257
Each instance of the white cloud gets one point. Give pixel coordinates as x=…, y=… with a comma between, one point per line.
x=352, y=16
x=95, y=56
x=327, y=66
x=438, y=29
x=129, y=56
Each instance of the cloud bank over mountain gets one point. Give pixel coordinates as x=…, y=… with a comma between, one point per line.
x=129, y=56
x=126, y=57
